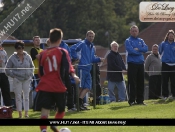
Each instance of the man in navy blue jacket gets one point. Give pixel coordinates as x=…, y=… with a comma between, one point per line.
x=70, y=90
x=115, y=68
x=84, y=52
x=135, y=47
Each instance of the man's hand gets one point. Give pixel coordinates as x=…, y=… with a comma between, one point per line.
x=102, y=59
x=38, y=56
x=124, y=71
x=136, y=49
x=76, y=78
x=74, y=62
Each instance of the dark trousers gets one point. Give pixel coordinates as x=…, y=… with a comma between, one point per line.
x=136, y=82
x=70, y=96
x=5, y=89
x=154, y=86
x=73, y=85
x=166, y=76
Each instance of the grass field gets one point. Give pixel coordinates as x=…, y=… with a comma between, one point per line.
x=153, y=109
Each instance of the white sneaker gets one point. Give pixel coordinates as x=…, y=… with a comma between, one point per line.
x=85, y=104
x=165, y=98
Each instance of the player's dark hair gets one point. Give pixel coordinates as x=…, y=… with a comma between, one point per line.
x=55, y=35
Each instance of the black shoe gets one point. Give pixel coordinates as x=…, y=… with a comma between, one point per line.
x=54, y=128
x=142, y=103
x=86, y=108
x=131, y=103
x=83, y=108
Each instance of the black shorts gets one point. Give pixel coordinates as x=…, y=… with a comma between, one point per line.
x=48, y=99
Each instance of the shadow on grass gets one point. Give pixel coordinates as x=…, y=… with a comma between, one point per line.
x=118, y=107
x=35, y=115
x=162, y=101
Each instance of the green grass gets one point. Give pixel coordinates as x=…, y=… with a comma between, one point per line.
x=154, y=109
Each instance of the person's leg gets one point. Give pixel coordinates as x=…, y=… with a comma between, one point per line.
x=152, y=87
x=158, y=86
x=34, y=85
x=172, y=79
x=59, y=99
x=45, y=100
x=82, y=90
x=121, y=90
x=140, y=84
x=44, y=115
x=165, y=80
x=111, y=86
x=73, y=85
x=86, y=84
x=18, y=95
x=26, y=90
x=5, y=89
x=70, y=104
x=132, y=78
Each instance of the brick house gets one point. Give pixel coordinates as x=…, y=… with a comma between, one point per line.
x=154, y=34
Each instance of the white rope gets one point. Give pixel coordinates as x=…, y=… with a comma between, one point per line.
x=19, y=68
x=126, y=71
x=86, y=65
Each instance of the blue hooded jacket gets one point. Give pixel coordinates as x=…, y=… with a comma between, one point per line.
x=65, y=46
x=85, y=52
x=135, y=56
x=167, y=52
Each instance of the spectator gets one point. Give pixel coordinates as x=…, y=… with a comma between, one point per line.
x=87, y=56
x=70, y=87
x=116, y=68
x=54, y=64
x=4, y=82
x=153, y=68
x=35, y=53
x=135, y=47
x=97, y=83
x=167, y=52
x=20, y=67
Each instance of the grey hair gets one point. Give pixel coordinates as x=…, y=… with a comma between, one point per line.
x=133, y=26
x=155, y=45
x=113, y=42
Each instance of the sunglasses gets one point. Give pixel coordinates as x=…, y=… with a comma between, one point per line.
x=18, y=48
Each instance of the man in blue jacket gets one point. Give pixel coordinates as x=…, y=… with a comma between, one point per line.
x=70, y=90
x=135, y=47
x=167, y=51
x=84, y=52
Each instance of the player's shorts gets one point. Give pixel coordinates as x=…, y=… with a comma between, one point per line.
x=49, y=99
x=85, y=79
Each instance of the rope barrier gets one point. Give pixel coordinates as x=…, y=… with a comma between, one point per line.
x=84, y=65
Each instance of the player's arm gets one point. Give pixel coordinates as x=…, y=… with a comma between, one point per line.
x=34, y=54
x=67, y=64
x=40, y=71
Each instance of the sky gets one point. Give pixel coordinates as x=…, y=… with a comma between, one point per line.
x=1, y=3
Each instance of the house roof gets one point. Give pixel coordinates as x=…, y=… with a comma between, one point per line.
x=7, y=37
x=154, y=34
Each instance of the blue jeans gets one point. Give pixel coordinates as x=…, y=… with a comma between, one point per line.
x=121, y=90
